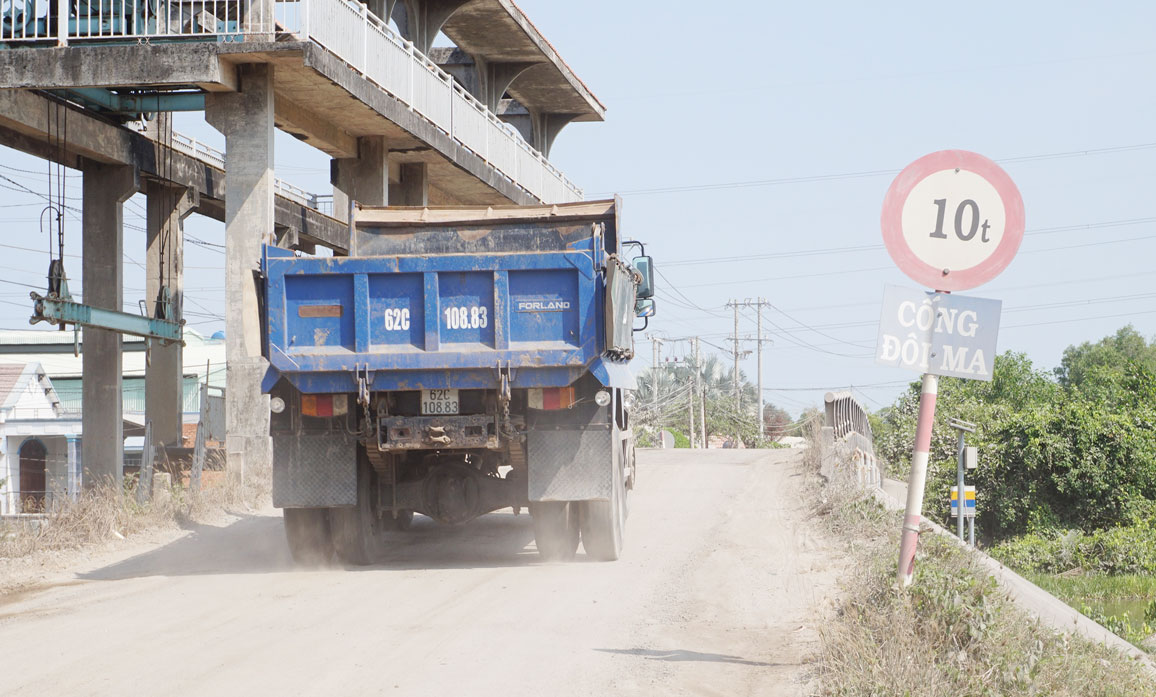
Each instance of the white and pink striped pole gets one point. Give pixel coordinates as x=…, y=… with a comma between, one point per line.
x=915, y=484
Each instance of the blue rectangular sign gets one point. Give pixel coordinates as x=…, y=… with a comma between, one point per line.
x=938, y=333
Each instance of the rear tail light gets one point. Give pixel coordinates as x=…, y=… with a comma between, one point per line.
x=324, y=405
x=551, y=398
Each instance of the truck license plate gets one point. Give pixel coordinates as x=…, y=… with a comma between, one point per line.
x=439, y=402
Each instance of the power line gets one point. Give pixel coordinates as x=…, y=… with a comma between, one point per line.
x=749, y=183
x=843, y=272
x=871, y=247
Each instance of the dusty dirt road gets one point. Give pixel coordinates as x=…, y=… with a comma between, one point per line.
x=719, y=592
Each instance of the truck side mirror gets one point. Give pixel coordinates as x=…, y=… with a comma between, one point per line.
x=644, y=308
x=644, y=267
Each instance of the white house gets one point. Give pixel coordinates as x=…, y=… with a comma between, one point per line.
x=39, y=441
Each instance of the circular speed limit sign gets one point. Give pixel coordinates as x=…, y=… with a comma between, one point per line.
x=952, y=220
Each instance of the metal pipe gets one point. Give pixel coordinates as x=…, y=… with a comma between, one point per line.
x=960, y=496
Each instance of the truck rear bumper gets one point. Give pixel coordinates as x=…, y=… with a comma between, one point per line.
x=437, y=432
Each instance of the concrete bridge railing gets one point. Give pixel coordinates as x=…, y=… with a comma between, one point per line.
x=849, y=451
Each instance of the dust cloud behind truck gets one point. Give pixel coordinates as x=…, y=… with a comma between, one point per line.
x=459, y=361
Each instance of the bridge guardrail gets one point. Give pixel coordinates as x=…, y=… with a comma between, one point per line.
x=847, y=440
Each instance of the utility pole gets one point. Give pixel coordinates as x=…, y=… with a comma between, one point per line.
x=656, y=346
x=691, y=397
x=759, y=360
x=700, y=393
x=738, y=395
x=758, y=305
x=693, y=385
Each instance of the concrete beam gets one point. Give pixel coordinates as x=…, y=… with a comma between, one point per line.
x=106, y=188
x=167, y=208
x=311, y=128
x=24, y=126
x=246, y=120
x=90, y=65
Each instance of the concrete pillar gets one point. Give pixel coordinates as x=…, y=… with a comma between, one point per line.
x=74, y=477
x=364, y=179
x=495, y=78
x=412, y=188
x=246, y=120
x=168, y=206
x=546, y=127
x=423, y=19
x=106, y=188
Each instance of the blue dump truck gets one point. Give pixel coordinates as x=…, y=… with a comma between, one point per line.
x=459, y=361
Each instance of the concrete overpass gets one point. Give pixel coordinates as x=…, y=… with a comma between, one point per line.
x=333, y=73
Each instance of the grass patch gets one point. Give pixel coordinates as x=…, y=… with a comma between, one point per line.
x=105, y=513
x=1117, y=551
x=952, y=633
x=1124, y=604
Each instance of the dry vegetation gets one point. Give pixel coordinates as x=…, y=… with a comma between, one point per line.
x=953, y=633
x=108, y=514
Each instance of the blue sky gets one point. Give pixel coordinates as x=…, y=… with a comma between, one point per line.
x=775, y=129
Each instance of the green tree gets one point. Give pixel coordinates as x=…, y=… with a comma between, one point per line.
x=1074, y=453
x=1087, y=362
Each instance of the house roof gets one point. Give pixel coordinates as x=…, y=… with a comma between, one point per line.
x=13, y=377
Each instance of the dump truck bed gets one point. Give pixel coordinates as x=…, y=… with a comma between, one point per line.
x=432, y=299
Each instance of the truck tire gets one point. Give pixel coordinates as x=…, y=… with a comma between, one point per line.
x=356, y=539
x=555, y=529
x=307, y=530
x=603, y=522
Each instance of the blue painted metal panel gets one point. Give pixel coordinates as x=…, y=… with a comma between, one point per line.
x=544, y=307
x=433, y=322
x=466, y=312
x=397, y=306
x=319, y=314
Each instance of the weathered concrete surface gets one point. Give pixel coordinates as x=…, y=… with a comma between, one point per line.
x=246, y=120
x=720, y=590
x=365, y=109
x=364, y=178
x=166, y=209
x=106, y=188
x=96, y=65
x=23, y=126
x=412, y=187
x=327, y=103
x=497, y=31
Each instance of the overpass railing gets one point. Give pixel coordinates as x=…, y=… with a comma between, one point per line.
x=848, y=440
x=343, y=27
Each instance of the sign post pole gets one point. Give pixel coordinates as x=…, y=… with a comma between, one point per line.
x=952, y=220
x=915, y=484
x=959, y=483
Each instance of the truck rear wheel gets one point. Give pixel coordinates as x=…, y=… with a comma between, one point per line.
x=603, y=523
x=556, y=529
x=356, y=539
x=307, y=530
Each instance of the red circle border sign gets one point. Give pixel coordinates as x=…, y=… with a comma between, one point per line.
x=892, y=220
